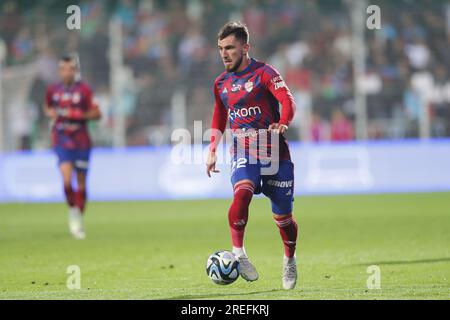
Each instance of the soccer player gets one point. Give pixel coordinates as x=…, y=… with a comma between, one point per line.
x=248, y=94
x=69, y=105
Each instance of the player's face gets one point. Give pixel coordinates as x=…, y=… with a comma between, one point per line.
x=232, y=52
x=67, y=71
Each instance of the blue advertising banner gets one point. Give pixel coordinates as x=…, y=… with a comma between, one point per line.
x=163, y=173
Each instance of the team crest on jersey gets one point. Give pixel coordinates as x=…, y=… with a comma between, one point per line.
x=248, y=86
x=76, y=97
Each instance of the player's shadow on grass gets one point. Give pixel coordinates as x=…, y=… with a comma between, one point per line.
x=218, y=295
x=404, y=262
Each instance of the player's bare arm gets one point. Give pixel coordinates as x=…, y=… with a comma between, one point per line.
x=50, y=112
x=92, y=114
x=211, y=163
x=219, y=122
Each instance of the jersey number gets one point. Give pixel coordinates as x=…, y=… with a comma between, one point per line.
x=239, y=163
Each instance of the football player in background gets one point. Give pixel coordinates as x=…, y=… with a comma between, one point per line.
x=69, y=105
x=248, y=94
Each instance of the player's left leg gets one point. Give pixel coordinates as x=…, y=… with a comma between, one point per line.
x=288, y=231
x=81, y=165
x=280, y=189
x=80, y=194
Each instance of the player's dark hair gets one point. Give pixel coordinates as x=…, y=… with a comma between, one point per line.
x=67, y=58
x=70, y=58
x=236, y=28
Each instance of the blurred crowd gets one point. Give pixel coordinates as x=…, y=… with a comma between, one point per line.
x=170, y=46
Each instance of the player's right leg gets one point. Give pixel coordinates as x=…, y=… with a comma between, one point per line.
x=244, y=179
x=66, y=168
x=237, y=218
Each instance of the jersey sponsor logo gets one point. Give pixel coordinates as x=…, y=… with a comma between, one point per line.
x=67, y=126
x=281, y=184
x=66, y=96
x=278, y=82
x=276, y=79
x=248, y=86
x=251, y=133
x=235, y=87
x=279, y=85
x=244, y=112
x=224, y=90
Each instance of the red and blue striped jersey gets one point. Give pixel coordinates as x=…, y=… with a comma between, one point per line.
x=67, y=132
x=250, y=101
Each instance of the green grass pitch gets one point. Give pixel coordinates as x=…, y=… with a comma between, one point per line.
x=158, y=250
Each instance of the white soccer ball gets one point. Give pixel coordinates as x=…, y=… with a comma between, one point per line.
x=222, y=267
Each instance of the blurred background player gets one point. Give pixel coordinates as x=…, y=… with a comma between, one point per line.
x=69, y=105
x=248, y=93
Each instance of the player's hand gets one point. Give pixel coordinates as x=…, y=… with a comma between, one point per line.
x=211, y=164
x=278, y=128
x=51, y=113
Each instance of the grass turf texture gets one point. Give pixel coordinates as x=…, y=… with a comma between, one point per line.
x=158, y=250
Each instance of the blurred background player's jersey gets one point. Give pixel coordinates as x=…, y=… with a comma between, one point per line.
x=68, y=133
x=248, y=97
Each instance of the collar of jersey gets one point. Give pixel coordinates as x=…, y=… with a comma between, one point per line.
x=75, y=83
x=246, y=68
